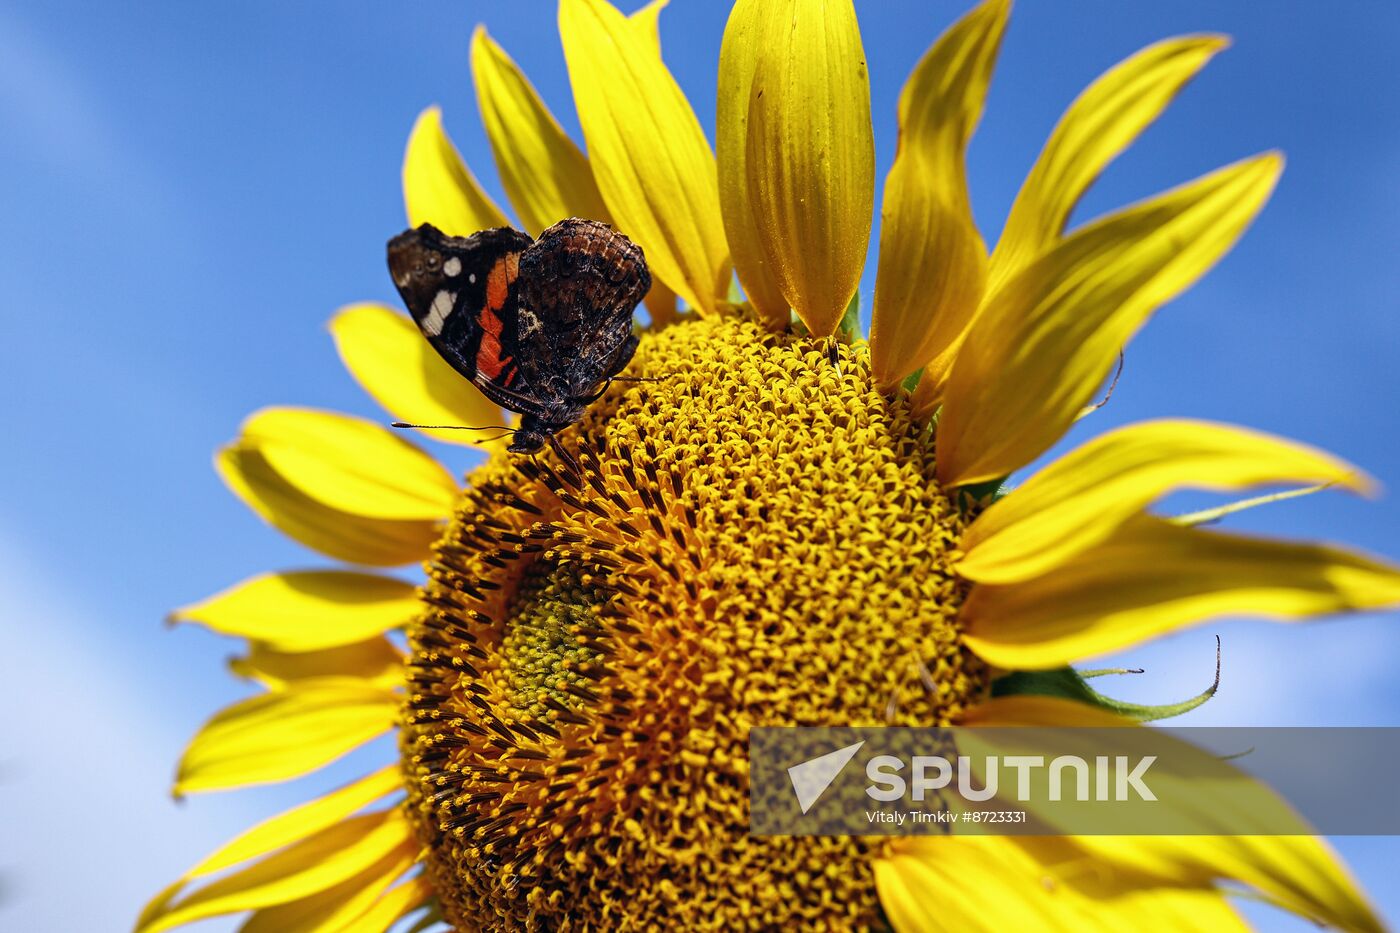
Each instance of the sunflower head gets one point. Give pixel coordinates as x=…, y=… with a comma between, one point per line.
x=774, y=522
x=752, y=532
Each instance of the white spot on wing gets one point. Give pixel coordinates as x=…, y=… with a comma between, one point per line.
x=437, y=315
x=472, y=278
x=452, y=267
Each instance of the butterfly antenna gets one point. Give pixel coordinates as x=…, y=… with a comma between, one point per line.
x=505, y=431
x=451, y=427
x=661, y=378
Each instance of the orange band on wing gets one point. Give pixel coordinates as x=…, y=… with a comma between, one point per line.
x=498, y=282
x=499, y=279
x=490, y=322
x=489, y=361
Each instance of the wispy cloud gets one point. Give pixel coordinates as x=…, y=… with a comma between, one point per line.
x=55, y=121
x=90, y=831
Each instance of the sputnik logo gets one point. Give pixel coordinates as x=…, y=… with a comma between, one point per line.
x=811, y=778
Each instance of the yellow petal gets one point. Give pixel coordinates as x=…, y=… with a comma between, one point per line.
x=1170, y=911
x=1099, y=125
x=351, y=465
x=797, y=156
x=375, y=661
x=650, y=157
x=1299, y=873
x=1080, y=499
x=1117, y=896
x=438, y=188
x=397, y=902
x=1198, y=794
x=1003, y=883
x=1296, y=871
x=331, y=910
x=997, y=883
x=932, y=259
x=1042, y=345
x=960, y=884
x=647, y=21
x=276, y=736
x=744, y=39
x=392, y=362
x=337, y=534
x=301, y=822
x=661, y=299
x=158, y=905
x=310, y=866
x=545, y=175
x=307, y=610
x=1152, y=577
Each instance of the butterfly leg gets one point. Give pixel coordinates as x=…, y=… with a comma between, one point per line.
x=620, y=359
x=563, y=454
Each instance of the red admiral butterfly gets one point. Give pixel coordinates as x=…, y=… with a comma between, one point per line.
x=537, y=325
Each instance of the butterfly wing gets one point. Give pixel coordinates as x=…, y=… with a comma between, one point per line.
x=579, y=284
x=463, y=295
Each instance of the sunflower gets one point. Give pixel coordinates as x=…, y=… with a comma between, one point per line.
x=779, y=522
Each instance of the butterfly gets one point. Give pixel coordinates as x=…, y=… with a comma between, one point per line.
x=541, y=327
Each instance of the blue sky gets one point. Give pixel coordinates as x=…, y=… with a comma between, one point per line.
x=191, y=190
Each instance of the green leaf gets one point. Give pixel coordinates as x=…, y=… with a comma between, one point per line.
x=984, y=493
x=1105, y=671
x=1062, y=682
x=1069, y=684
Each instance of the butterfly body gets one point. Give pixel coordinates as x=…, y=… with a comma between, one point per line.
x=539, y=326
